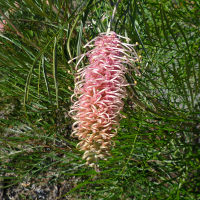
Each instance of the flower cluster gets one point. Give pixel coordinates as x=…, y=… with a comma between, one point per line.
x=99, y=92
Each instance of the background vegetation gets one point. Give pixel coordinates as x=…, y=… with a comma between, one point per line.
x=157, y=149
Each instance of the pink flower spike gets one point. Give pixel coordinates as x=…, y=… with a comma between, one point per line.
x=99, y=93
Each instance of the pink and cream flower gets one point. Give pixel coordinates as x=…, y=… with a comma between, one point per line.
x=99, y=93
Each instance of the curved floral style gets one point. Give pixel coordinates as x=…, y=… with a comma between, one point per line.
x=99, y=92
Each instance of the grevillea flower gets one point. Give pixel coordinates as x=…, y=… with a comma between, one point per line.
x=99, y=93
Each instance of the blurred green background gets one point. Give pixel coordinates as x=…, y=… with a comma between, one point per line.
x=157, y=150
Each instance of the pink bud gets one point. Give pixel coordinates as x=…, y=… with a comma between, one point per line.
x=2, y=25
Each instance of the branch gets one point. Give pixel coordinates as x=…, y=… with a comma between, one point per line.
x=112, y=18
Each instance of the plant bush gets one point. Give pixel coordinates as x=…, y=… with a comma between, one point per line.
x=156, y=152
